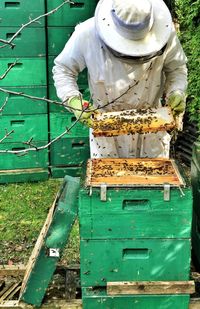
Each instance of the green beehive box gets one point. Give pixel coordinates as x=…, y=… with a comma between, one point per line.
x=71, y=13
x=21, y=105
x=138, y=210
x=27, y=71
x=24, y=128
x=105, y=261
x=23, y=175
x=30, y=42
x=59, y=122
x=24, y=160
x=57, y=38
x=20, y=12
x=60, y=172
x=195, y=177
x=82, y=78
x=69, y=151
x=196, y=240
x=95, y=300
x=60, y=109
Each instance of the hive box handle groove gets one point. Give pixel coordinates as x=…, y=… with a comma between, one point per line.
x=137, y=204
x=10, y=35
x=18, y=149
x=17, y=122
x=12, y=4
x=77, y=5
x=78, y=145
x=16, y=66
x=135, y=253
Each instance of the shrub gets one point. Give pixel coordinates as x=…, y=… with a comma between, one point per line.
x=188, y=14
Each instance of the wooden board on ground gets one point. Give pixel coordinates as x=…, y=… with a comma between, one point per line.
x=23, y=175
x=38, y=245
x=150, y=287
x=51, y=243
x=132, y=172
x=73, y=304
x=133, y=121
x=12, y=270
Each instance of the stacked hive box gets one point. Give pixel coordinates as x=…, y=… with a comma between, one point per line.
x=67, y=154
x=133, y=234
x=27, y=118
x=195, y=176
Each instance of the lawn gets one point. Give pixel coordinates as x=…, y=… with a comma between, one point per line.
x=23, y=210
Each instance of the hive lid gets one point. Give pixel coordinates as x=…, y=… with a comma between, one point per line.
x=133, y=172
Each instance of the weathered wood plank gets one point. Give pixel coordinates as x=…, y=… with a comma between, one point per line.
x=195, y=276
x=12, y=270
x=9, y=290
x=38, y=244
x=74, y=304
x=194, y=303
x=15, y=291
x=2, y=284
x=18, y=171
x=150, y=287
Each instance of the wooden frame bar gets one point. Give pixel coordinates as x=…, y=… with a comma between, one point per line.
x=73, y=304
x=12, y=270
x=150, y=287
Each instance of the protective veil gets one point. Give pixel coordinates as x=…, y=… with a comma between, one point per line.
x=118, y=84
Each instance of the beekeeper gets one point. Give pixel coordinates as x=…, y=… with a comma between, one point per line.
x=134, y=59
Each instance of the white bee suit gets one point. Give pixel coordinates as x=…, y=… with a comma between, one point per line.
x=126, y=83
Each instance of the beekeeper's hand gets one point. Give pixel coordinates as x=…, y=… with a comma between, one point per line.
x=177, y=102
x=82, y=110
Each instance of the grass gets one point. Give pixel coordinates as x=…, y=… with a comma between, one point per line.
x=23, y=210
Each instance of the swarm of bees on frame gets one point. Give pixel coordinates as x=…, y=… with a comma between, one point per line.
x=129, y=122
x=115, y=167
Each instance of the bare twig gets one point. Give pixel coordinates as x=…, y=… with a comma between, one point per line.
x=6, y=135
x=31, y=97
x=4, y=104
x=34, y=148
x=64, y=102
x=35, y=20
x=8, y=70
x=12, y=45
x=136, y=82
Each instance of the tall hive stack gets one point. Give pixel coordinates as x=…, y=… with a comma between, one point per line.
x=195, y=177
x=67, y=154
x=27, y=118
x=132, y=234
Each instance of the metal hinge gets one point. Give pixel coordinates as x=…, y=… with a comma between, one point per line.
x=103, y=192
x=166, y=192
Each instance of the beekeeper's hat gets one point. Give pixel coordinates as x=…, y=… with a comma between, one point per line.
x=133, y=27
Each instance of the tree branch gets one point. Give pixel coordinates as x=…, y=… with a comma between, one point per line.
x=6, y=136
x=31, y=97
x=4, y=104
x=9, y=42
x=8, y=70
x=35, y=148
